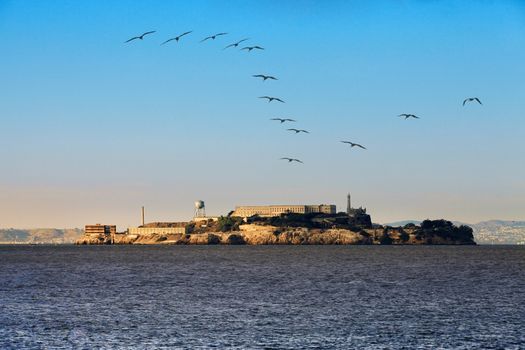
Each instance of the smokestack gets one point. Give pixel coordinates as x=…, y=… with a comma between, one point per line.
x=142, y=216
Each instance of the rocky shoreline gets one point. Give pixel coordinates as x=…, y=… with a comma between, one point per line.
x=253, y=234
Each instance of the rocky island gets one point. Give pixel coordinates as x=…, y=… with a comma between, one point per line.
x=295, y=229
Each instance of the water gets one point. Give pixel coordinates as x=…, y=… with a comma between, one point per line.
x=262, y=297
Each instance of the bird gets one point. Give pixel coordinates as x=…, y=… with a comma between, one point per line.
x=177, y=37
x=264, y=77
x=250, y=48
x=298, y=130
x=292, y=160
x=212, y=37
x=471, y=99
x=352, y=144
x=236, y=44
x=282, y=120
x=408, y=116
x=141, y=37
x=270, y=99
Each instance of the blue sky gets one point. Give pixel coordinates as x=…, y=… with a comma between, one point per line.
x=93, y=128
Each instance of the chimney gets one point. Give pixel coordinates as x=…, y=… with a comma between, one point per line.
x=142, y=216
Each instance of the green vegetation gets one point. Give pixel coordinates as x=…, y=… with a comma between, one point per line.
x=446, y=230
x=403, y=236
x=314, y=221
x=228, y=223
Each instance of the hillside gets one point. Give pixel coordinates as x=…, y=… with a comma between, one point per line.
x=40, y=235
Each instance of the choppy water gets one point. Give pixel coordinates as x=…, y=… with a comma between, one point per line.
x=272, y=297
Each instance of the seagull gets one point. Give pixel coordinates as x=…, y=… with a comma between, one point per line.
x=236, y=44
x=141, y=37
x=212, y=37
x=298, y=130
x=471, y=99
x=352, y=144
x=177, y=37
x=270, y=99
x=408, y=116
x=292, y=160
x=282, y=120
x=264, y=77
x=250, y=48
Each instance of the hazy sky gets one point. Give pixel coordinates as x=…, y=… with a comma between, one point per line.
x=92, y=128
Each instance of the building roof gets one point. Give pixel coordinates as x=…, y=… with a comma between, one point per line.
x=165, y=224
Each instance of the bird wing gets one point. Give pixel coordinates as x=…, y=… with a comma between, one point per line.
x=297, y=160
x=465, y=101
x=278, y=99
x=270, y=77
x=167, y=41
x=206, y=38
x=402, y=115
x=305, y=131
x=218, y=34
x=293, y=130
x=150, y=32
x=258, y=76
x=240, y=41
x=358, y=145
x=279, y=119
x=347, y=142
x=290, y=120
x=268, y=97
x=247, y=48
x=288, y=159
x=258, y=47
x=127, y=41
x=477, y=99
x=415, y=116
x=185, y=33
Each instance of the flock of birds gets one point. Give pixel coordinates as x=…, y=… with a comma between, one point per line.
x=265, y=77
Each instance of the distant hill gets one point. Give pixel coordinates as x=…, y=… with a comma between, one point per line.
x=488, y=232
x=40, y=235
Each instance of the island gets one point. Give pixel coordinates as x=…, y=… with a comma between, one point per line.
x=315, y=228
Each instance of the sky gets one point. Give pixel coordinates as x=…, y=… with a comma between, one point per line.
x=93, y=128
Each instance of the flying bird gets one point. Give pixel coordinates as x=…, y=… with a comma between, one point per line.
x=250, y=48
x=282, y=120
x=298, y=130
x=291, y=160
x=471, y=99
x=177, y=37
x=352, y=144
x=264, y=77
x=141, y=37
x=408, y=116
x=212, y=37
x=236, y=44
x=270, y=99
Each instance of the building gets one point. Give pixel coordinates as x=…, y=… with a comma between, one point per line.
x=277, y=210
x=162, y=228
x=99, y=229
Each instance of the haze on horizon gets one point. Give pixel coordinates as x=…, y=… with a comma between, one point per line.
x=92, y=128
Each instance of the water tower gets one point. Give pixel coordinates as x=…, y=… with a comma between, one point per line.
x=200, y=209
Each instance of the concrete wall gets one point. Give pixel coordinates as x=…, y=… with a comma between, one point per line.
x=158, y=230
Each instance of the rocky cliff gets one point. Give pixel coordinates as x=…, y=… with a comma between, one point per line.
x=254, y=234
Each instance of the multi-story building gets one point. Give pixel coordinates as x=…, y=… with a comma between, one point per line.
x=276, y=210
x=163, y=228
x=99, y=229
